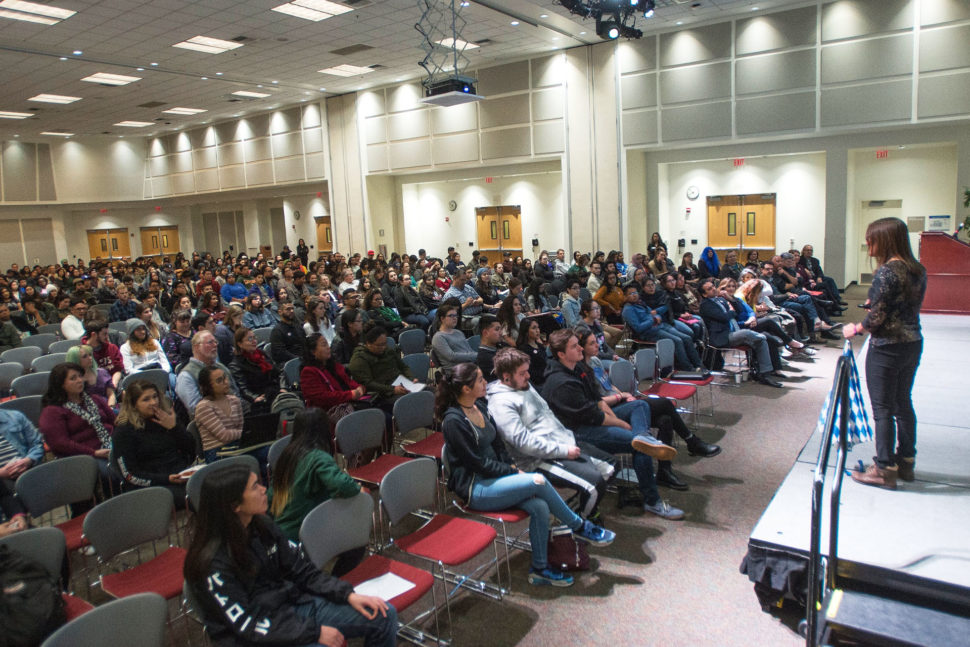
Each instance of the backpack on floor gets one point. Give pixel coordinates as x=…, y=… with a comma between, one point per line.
x=31, y=607
x=565, y=553
x=288, y=405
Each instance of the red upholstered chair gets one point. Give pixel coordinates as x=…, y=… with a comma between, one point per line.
x=645, y=363
x=443, y=540
x=361, y=431
x=339, y=525
x=127, y=521
x=136, y=621
x=59, y=483
x=666, y=373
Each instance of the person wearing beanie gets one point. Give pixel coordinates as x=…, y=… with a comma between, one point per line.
x=141, y=351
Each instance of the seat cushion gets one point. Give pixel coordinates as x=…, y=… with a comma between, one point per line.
x=378, y=565
x=672, y=391
x=73, y=530
x=162, y=575
x=75, y=606
x=430, y=446
x=512, y=515
x=375, y=471
x=448, y=539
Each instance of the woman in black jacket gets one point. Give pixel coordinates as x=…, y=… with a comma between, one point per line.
x=483, y=475
x=254, y=373
x=255, y=587
x=409, y=304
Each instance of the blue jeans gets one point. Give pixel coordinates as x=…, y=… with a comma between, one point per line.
x=419, y=320
x=804, y=306
x=890, y=372
x=616, y=440
x=379, y=632
x=521, y=491
x=685, y=354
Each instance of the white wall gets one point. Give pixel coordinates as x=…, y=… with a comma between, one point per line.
x=797, y=180
x=99, y=170
x=77, y=222
x=310, y=207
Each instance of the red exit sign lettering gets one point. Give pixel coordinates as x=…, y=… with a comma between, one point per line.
x=881, y=155
x=738, y=161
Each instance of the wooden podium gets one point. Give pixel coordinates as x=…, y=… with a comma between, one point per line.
x=947, y=263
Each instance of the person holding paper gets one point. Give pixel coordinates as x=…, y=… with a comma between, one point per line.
x=377, y=367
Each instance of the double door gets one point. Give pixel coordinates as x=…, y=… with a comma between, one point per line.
x=742, y=223
x=324, y=234
x=499, y=231
x=108, y=243
x=160, y=241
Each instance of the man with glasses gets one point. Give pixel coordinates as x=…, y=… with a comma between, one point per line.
x=72, y=327
x=205, y=352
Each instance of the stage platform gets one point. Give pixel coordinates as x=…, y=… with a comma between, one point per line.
x=916, y=539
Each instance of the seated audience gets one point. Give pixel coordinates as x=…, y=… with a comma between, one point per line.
x=9, y=334
x=97, y=381
x=351, y=329
x=491, y=340
x=449, y=346
x=256, y=315
x=124, y=308
x=510, y=316
x=205, y=352
x=257, y=379
x=529, y=341
x=72, y=326
x=325, y=383
x=570, y=302
x=141, y=352
x=380, y=314
x=610, y=298
x=648, y=325
x=106, y=354
x=178, y=337
x=709, y=264
x=287, y=340
x=376, y=367
x=319, y=318
x=21, y=447
x=731, y=268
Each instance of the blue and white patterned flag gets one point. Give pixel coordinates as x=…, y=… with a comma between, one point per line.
x=859, y=428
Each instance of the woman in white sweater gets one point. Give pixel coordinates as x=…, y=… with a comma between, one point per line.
x=141, y=351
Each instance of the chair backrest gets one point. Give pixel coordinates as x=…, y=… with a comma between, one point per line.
x=54, y=329
x=413, y=411
x=360, y=430
x=409, y=486
x=29, y=405
x=336, y=526
x=665, y=356
x=391, y=343
x=193, y=488
x=157, y=376
x=622, y=376
x=31, y=384
x=645, y=362
x=475, y=341
x=419, y=364
x=9, y=371
x=117, y=337
x=103, y=308
x=63, y=345
x=41, y=341
x=292, y=371
x=66, y=480
x=43, y=545
x=120, y=326
x=412, y=341
x=129, y=519
x=48, y=362
x=262, y=334
x=133, y=621
x=276, y=449
x=193, y=430
x=23, y=355
x=584, y=295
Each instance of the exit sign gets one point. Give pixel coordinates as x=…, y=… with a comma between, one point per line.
x=882, y=154
x=488, y=180
x=738, y=161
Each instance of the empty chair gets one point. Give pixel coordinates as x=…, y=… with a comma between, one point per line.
x=41, y=341
x=360, y=431
x=60, y=483
x=276, y=449
x=413, y=412
x=30, y=384
x=419, y=364
x=63, y=345
x=48, y=362
x=623, y=376
x=291, y=371
x=136, y=621
x=412, y=341
x=47, y=547
x=126, y=521
x=193, y=488
x=157, y=376
x=54, y=329
x=23, y=355
x=262, y=334
x=665, y=367
x=645, y=362
x=9, y=371
x=120, y=326
x=29, y=405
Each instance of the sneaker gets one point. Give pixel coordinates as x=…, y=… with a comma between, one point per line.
x=549, y=577
x=663, y=509
x=649, y=445
x=593, y=534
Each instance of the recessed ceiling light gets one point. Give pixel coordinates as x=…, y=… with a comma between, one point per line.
x=315, y=10
x=33, y=12
x=582, y=33
x=139, y=69
x=514, y=23
x=208, y=45
x=543, y=15
x=754, y=8
x=184, y=111
x=16, y=135
x=54, y=98
x=205, y=78
x=134, y=124
x=63, y=58
x=456, y=43
x=680, y=22
x=111, y=79
x=154, y=64
x=346, y=70
x=275, y=82
x=218, y=73
x=78, y=52
x=250, y=94
x=6, y=114
x=57, y=134
x=259, y=85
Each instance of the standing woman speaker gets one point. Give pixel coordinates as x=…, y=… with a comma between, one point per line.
x=895, y=347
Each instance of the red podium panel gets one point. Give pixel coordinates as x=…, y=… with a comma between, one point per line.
x=947, y=263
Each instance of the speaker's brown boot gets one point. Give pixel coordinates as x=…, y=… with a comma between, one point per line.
x=877, y=476
x=906, y=469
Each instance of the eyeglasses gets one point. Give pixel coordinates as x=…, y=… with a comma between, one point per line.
x=451, y=314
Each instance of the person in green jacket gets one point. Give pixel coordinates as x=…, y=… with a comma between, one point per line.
x=376, y=366
x=9, y=335
x=306, y=475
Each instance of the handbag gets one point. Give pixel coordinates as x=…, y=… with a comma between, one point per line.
x=565, y=553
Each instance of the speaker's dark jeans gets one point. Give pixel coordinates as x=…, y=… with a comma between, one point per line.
x=890, y=370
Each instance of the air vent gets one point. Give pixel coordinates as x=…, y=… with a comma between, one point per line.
x=483, y=42
x=351, y=49
x=234, y=100
x=240, y=39
x=357, y=4
x=377, y=66
x=151, y=104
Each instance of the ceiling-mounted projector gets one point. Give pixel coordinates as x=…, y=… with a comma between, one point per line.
x=452, y=91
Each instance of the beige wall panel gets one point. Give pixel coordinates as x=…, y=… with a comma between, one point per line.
x=205, y=158
x=548, y=138
x=183, y=183
x=147, y=190
x=934, y=12
x=696, y=83
x=258, y=149
x=371, y=103
x=157, y=147
x=258, y=125
x=46, y=189
x=181, y=142
x=454, y=119
x=311, y=116
x=639, y=90
x=289, y=169
x=696, y=122
x=377, y=158
x=505, y=111
x=775, y=31
x=375, y=130
x=202, y=137
x=284, y=121
x=850, y=18
x=637, y=55
x=207, y=180
x=19, y=172
x=944, y=96
x=547, y=71
x=776, y=113
x=547, y=104
x=11, y=245
x=181, y=162
x=868, y=59
x=504, y=78
x=639, y=128
x=774, y=72
x=410, y=154
x=316, y=166
x=408, y=125
x=259, y=173
x=161, y=186
x=944, y=49
x=450, y=149
x=38, y=239
x=695, y=45
x=226, y=132
x=313, y=140
x=230, y=154
x=288, y=144
x=232, y=177
x=866, y=103
x=511, y=142
x=160, y=166
x=404, y=97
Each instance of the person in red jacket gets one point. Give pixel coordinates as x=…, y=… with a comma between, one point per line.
x=325, y=383
x=106, y=354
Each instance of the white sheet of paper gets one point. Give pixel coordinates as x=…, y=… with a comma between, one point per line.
x=386, y=587
x=413, y=387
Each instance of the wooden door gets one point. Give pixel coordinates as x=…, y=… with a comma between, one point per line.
x=499, y=231
x=98, y=244
x=171, y=243
x=741, y=222
x=324, y=235
x=151, y=242
x=119, y=243
x=510, y=232
x=108, y=243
